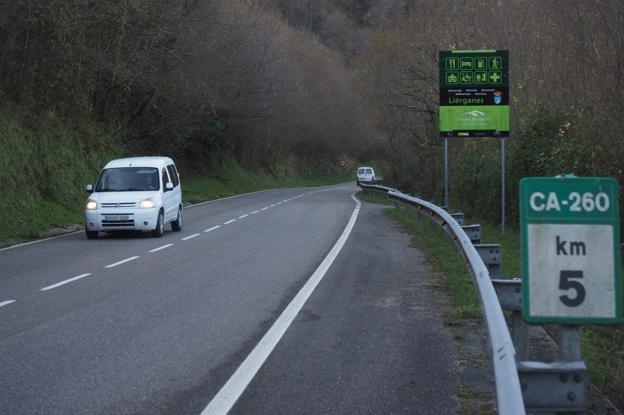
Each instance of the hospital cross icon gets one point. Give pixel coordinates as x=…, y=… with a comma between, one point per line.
x=495, y=77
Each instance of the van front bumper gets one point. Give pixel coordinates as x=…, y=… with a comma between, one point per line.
x=110, y=220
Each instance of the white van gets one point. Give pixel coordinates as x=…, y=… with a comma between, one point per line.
x=138, y=193
x=365, y=175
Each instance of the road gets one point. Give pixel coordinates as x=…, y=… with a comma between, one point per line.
x=132, y=324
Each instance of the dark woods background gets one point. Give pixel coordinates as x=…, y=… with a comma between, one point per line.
x=297, y=86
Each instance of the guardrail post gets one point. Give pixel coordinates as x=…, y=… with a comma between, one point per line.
x=396, y=206
x=570, y=342
x=510, y=298
x=473, y=232
x=491, y=256
x=420, y=218
x=459, y=218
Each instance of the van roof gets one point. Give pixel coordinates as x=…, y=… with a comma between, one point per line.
x=139, y=162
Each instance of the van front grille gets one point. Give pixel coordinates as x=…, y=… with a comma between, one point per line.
x=118, y=219
x=119, y=205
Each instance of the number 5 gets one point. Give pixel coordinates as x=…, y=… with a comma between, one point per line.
x=566, y=282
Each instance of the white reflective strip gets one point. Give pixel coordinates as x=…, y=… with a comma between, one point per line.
x=213, y=228
x=243, y=216
x=123, y=261
x=254, y=212
x=229, y=221
x=58, y=284
x=190, y=237
x=161, y=248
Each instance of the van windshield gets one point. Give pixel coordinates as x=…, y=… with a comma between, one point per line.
x=128, y=179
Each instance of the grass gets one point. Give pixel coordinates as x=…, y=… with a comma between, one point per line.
x=43, y=172
x=442, y=254
x=601, y=345
x=374, y=197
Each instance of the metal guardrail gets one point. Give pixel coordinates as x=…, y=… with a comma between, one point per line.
x=508, y=391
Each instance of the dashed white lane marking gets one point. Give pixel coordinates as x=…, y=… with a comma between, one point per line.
x=213, y=228
x=160, y=248
x=243, y=216
x=58, y=284
x=254, y=212
x=278, y=203
x=265, y=208
x=123, y=261
x=272, y=205
x=2, y=304
x=190, y=237
x=229, y=221
x=236, y=385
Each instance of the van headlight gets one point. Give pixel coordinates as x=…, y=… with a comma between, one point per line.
x=91, y=204
x=147, y=203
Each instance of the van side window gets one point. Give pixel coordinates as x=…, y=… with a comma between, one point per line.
x=173, y=175
x=177, y=174
x=165, y=178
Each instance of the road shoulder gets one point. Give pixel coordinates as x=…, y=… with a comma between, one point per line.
x=371, y=339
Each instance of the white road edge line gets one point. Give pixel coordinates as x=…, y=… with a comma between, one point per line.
x=243, y=216
x=254, y=212
x=229, y=221
x=58, y=284
x=123, y=261
x=213, y=228
x=225, y=399
x=190, y=237
x=264, y=208
x=160, y=248
x=272, y=205
x=2, y=304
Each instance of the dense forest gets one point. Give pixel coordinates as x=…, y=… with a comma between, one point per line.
x=298, y=86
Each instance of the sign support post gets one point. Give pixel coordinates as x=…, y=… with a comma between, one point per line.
x=502, y=151
x=446, y=201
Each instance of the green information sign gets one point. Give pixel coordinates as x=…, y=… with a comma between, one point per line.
x=474, y=93
x=570, y=234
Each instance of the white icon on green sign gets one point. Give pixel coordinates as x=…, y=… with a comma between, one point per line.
x=480, y=77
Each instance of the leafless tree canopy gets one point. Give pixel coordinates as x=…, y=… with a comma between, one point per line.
x=302, y=84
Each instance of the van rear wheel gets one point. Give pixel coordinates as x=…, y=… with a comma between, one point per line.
x=176, y=225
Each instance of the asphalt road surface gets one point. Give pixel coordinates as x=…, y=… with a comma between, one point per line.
x=277, y=302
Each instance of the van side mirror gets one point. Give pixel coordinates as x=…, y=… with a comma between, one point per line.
x=89, y=188
x=169, y=186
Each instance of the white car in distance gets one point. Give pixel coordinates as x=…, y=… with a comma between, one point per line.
x=135, y=194
x=365, y=175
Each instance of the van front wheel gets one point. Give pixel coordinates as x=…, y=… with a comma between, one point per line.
x=160, y=226
x=92, y=234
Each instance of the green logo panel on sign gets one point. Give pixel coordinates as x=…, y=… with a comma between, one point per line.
x=570, y=250
x=474, y=118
